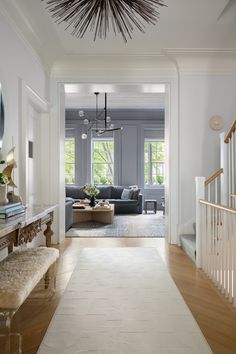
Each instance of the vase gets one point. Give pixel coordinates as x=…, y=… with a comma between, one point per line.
x=3, y=194
x=92, y=201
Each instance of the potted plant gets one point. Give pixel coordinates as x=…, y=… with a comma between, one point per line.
x=92, y=191
x=4, y=180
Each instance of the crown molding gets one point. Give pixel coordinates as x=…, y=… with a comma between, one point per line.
x=201, y=51
x=121, y=65
x=204, y=60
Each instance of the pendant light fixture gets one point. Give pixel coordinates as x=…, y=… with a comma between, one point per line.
x=123, y=16
x=102, y=122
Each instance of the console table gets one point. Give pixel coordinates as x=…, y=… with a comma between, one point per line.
x=15, y=231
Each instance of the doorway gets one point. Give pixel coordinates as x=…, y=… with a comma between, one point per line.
x=150, y=129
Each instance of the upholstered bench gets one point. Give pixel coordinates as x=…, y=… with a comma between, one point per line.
x=19, y=274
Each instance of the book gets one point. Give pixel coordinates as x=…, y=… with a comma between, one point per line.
x=9, y=206
x=12, y=213
x=13, y=208
x=78, y=207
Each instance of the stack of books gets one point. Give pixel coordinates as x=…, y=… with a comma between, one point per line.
x=11, y=209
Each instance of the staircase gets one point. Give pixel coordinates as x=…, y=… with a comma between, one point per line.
x=213, y=245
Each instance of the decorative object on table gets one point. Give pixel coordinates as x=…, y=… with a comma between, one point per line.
x=2, y=117
x=78, y=205
x=103, y=203
x=99, y=120
x=217, y=122
x=84, y=202
x=4, y=180
x=7, y=180
x=9, y=169
x=99, y=16
x=92, y=191
x=11, y=209
x=13, y=198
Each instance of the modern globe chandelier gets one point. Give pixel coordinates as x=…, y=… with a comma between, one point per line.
x=102, y=122
x=99, y=16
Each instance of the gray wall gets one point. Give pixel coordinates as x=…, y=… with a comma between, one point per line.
x=129, y=146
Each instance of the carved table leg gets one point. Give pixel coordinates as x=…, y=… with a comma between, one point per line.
x=48, y=233
x=10, y=248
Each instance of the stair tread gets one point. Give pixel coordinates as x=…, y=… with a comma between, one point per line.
x=188, y=244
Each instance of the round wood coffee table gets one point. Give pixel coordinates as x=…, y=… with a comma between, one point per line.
x=104, y=215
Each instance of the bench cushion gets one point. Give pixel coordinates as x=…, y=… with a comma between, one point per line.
x=21, y=271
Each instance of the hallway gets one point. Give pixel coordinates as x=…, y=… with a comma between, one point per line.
x=214, y=315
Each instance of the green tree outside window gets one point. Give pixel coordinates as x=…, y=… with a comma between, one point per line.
x=103, y=162
x=70, y=161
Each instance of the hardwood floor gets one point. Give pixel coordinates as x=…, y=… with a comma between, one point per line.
x=216, y=318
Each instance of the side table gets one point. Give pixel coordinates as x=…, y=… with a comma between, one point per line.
x=153, y=202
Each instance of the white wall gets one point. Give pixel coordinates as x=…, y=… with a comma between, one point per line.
x=202, y=95
x=17, y=61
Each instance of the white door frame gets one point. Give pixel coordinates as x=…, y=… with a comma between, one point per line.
x=172, y=142
x=27, y=96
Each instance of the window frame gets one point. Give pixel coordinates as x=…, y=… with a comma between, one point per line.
x=150, y=162
x=102, y=139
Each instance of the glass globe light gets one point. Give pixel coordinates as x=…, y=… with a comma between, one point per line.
x=111, y=126
x=81, y=113
x=108, y=119
x=86, y=121
x=84, y=136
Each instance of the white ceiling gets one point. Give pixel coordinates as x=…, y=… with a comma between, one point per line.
x=183, y=24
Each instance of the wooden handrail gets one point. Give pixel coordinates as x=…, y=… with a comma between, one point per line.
x=214, y=176
x=218, y=206
x=231, y=132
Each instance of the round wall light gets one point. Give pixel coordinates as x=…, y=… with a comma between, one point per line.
x=216, y=122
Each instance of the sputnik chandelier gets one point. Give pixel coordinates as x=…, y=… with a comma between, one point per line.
x=101, y=118
x=99, y=16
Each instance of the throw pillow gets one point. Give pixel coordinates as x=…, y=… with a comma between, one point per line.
x=135, y=186
x=135, y=193
x=126, y=194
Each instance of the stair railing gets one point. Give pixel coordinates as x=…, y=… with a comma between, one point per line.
x=230, y=140
x=212, y=187
x=218, y=246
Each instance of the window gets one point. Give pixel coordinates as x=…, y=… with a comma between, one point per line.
x=154, y=160
x=103, y=161
x=70, y=160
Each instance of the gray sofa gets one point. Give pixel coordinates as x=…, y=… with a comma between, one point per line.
x=68, y=213
x=113, y=195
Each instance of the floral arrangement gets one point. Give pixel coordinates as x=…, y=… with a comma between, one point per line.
x=91, y=190
x=3, y=178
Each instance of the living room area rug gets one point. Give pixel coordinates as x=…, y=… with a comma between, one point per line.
x=122, y=301
x=128, y=225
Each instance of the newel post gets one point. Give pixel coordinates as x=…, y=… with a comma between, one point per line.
x=200, y=194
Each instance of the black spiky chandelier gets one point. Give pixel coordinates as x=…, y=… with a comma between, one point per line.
x=98, y=16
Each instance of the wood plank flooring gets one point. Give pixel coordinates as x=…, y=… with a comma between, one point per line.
x=216, y=318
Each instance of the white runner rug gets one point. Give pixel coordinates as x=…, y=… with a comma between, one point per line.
x=122, y=301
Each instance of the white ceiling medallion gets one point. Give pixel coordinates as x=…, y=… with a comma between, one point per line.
x=216, y=122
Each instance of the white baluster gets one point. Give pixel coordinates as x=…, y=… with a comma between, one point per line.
x=216, y=191
x=229, y=173
x=232, y=165
x=209, y=192
x=203, y=238
x=234, y=262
